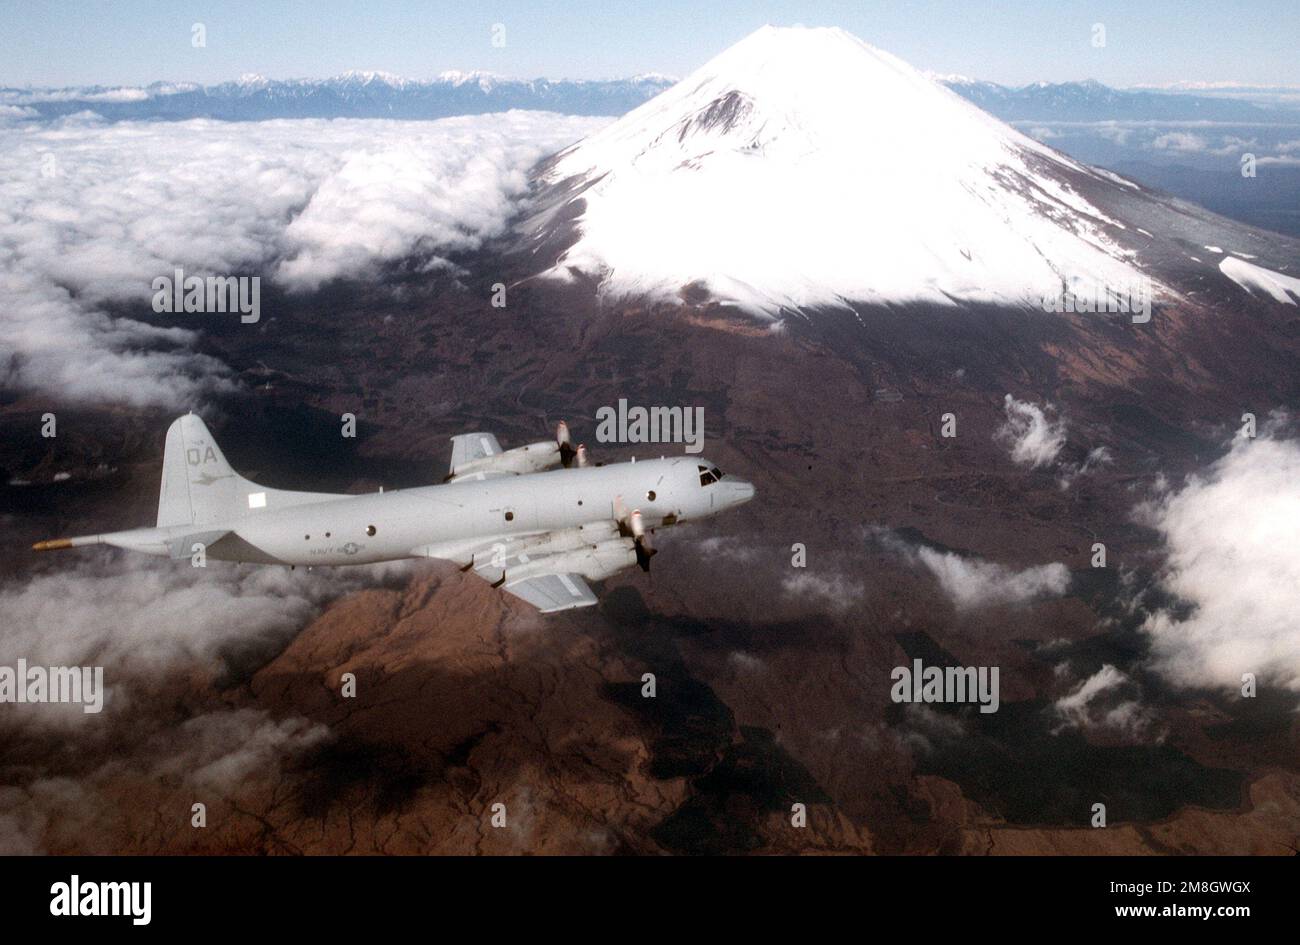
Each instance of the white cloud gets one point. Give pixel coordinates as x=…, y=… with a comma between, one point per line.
x=745, y=662
x=1179, y=141
x=1033, y=436
x=728, y=547
x=1105, y=700
x=1115, y=133
x=1097, y=456
x=1233, y=538
x=91, y=213
x=835, y=591
x=158, y=628
x=139, y=619
x=16, y=112
x=212, y=756
x=221, y=750
x=972, y=582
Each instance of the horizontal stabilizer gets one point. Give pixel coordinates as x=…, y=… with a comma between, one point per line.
x=183, y=546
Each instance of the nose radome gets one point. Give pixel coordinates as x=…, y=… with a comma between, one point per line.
x=744, y=491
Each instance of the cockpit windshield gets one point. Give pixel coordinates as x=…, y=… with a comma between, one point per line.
x=709, y=474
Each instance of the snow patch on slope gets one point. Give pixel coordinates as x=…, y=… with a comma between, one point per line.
x=1251, y=277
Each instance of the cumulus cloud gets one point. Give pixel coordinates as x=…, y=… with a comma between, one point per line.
x=728, y=547
x=833, y=591
x=923, y=729
x=1179, y=141
x=745, y=662
x=972, y=582
x=1106, y=700
x=1097, y=457
x=1032, y=433
x=91, y=213
x=1232, y=537
x=1112, y=132
x=16, y=112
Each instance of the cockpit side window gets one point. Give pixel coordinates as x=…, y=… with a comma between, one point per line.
x=709, y=476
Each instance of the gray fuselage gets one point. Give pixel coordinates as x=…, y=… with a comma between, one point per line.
x=436, y=521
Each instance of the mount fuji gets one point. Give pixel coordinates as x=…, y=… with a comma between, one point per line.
x=803, y=168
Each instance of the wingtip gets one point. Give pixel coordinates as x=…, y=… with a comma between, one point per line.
x=52, y=544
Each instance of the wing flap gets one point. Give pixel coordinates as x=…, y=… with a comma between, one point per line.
x=553, y=592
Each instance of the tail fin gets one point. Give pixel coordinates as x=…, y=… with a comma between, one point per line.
x=200, y=488
x=198, y=485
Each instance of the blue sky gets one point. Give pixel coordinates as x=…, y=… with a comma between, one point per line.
x=1014, y=41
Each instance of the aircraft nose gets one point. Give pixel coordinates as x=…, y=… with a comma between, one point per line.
x=741, y=491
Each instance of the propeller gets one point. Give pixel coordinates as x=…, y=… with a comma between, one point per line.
x=581, y=456
x=562, y=440
x=644, y=550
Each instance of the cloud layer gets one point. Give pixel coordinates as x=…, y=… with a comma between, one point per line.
x=143, y=619
x=166, y=635
x=91, y=213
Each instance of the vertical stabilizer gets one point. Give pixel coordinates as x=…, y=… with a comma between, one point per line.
x=200, y=488
x=198, y=485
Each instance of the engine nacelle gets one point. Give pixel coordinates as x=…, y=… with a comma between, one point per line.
x=516, y=462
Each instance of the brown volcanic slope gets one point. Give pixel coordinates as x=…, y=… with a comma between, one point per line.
x=769, y=693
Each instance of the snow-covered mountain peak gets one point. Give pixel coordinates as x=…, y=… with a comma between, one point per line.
x=795, y=88
x=803, y=167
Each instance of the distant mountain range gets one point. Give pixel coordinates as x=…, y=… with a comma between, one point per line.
x=1091, y=101
x=351, y=95
x=383, y=95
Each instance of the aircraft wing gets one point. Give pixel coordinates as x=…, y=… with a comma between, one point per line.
x=468, y=447
x=552, y=592
x=547, y=570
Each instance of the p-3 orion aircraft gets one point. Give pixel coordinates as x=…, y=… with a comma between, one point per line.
x=538, y=520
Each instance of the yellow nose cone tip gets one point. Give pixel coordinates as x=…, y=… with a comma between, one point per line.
x=52, y=544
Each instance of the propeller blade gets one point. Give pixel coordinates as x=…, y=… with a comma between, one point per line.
x=644, y=550
x=581, y=456
x=563, y=441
